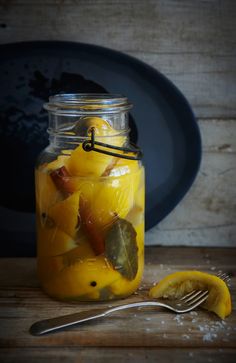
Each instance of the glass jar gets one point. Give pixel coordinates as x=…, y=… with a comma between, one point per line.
x=89, y=201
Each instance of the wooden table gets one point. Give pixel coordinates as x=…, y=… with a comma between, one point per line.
x=129, y=336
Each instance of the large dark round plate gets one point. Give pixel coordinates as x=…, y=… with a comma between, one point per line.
x=162, y=124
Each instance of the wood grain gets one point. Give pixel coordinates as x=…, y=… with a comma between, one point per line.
x=196, y=333
x=218, y=136
x=191, y=42
x=116, y=355
x=207, y=215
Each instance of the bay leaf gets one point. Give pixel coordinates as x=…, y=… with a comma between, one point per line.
x=121, y=248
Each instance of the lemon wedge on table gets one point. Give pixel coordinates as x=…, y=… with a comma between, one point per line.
x=178, y=284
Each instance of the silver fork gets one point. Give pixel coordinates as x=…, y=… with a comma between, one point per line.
x=187, y=303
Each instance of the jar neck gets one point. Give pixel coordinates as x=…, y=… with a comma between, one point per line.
x=98, y=122
x=65, y=110
x=69, y=113
x=60, y=141
x=64, y=125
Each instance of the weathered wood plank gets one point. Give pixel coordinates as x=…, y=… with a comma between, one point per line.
x=218, y=136
x=193, y=43
x=207, y=214
x=20, y=306
x=207, y=81
x=116, y=355
x=136, y=25
x=126, y=330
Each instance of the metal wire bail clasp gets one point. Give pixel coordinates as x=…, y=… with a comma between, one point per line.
x=90, y=145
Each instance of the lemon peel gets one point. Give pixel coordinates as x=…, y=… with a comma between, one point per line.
x=177, y=284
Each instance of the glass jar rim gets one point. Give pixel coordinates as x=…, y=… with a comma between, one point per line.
x=74, y=104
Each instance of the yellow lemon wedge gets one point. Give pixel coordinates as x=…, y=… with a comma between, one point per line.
x=92, y=163
x=46, y=192
x=57, y=163
x=65, y=214
x=62, y=251
x=178, y=284
x=82, y=278
x=53, y=242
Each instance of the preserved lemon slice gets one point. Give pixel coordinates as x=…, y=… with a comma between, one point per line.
x=48, y=267
x=85, y=124
x=82, y=251
x=82, y=278
x=53, y=242
x=109, y=197
x=65, y=214
x=123, y=286
x=115, y=197
x=102, y=202
x=46, y=191
x=92, y=163
x=57, y=163
x=71, y=252
x=180, y=283
x=124, y=166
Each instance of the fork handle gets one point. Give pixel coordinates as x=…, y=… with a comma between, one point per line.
x=50, y=325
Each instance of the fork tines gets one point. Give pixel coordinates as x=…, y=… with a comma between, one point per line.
x=199, y=296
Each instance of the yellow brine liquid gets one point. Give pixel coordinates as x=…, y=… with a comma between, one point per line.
x=90, y=222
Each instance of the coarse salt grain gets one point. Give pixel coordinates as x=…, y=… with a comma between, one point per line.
x=178, y=318
x=185, y=336
x=218, y=323
x=193, y=313
x=211, y=329
x=208, y=337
